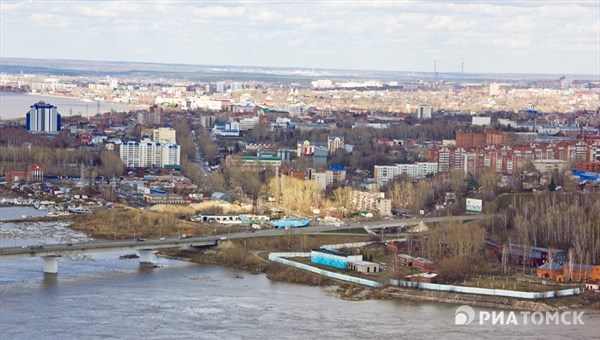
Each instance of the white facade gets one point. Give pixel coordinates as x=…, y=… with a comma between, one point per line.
x=227, y=129
x=483, y=121
x=372, y=201
x=150, y=154
x=383, y=174
x=322, y=83
x=248, y=123
x=205, y=103
x=329, y=177
x=164, y=135
x=424, y=112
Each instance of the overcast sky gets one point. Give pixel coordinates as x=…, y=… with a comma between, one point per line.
x=491, y=36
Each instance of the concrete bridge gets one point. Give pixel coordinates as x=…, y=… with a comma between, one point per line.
x=147, y=248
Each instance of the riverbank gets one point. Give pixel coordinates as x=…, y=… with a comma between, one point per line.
x=88, y=101
x=65, y=218
x=251, y=255
x=234, y=254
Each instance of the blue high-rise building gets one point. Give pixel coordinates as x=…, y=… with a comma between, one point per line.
x=43, y=117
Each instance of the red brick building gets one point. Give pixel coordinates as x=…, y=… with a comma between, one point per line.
x=575, y=272
x=588, y=166
x=507, y=159
x=14, y=176
x=34, y=173
x=488, y=137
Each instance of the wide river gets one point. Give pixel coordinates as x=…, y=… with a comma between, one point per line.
x=15, y=105
x=101, y=297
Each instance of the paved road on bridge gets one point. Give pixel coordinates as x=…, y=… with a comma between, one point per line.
x=107, y=246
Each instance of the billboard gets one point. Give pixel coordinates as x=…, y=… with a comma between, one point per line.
x=474, y=205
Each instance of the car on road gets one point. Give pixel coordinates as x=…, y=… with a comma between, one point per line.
x=69, y=244
x=162, y=239
x=223, y=238
x=337, y=224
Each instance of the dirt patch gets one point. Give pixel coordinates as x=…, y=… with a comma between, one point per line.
x=209, y=206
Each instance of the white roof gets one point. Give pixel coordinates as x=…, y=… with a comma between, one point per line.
x=364, y=263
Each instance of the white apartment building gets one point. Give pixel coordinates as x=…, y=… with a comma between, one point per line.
x=424, y=111
x=329, y=177
x=386, y=173
x=164, y=135
x=150, y=154
x=372, y=201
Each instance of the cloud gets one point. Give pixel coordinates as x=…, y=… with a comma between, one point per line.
x=512, y=43
x=219, y=12
x=401, y=35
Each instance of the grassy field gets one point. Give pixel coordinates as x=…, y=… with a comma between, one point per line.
x=124, y=224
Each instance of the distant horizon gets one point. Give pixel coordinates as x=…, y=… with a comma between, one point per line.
x=490, y=37
x=241, y=67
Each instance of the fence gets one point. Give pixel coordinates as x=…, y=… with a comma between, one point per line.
x=279, y=258
x=486, y=291
x=346, y=245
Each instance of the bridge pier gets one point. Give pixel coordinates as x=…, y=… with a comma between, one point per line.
x=147, y=256
x=50, y=264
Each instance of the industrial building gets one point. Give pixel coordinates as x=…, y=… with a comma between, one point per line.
x=343, y=260
x=364, y=267
x=333, y=258
x=566, y=272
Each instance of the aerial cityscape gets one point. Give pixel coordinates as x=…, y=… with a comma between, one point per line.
x=327, y=169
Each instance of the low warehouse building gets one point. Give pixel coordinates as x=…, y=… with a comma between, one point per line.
x=422, y=264
x=332, y=258
x=364, y=267
x=550, y=271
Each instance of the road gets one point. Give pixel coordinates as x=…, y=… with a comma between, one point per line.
x=199, y=158
x=105, y=246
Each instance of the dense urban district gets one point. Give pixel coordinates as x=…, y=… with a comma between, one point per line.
x=195, y=158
